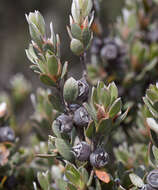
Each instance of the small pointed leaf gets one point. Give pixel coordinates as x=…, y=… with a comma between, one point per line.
x=47, y=80
x=115, y=108
x=76, y=31
x=64, y=149
x=64, y=71
x=136, y=180
x=52, y=65
x=56, y=101
x=86, y=36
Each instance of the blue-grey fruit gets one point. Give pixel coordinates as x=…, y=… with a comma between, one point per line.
x=6, y=134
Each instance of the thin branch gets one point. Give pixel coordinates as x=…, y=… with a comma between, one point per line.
x=83, y=62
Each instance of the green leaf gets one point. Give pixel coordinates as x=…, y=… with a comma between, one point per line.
x=40, y=22
x=98, y=185
x=115, y=108
x=86, y=36
x=48, y=47
x=52, y=65
x=55, y=129
x=71, y=187
x=100, y=86
x=51, y=143
x=122, y=117
x=155, y=152
x=53, y=36
x=154, y=138
x=113, y=91
x=150, y=107
x=64, y=149
x=42, y=66
x=43, y=179
x=104, y=127
x=147, y=68
x=76, y=31
x=86, y=7
x=29, y=56
x=62, y=184
x=55, y=100
x=94, y=97
x=35, y=69
x=136, y=180
x=35, y=34
x=64, y=71
x=90, y=130
x=90, y=109
x=47, y=80
x=120, y=169
x=70, y=90
x=74, y=176
x=104, y=97
x=84, y=174
x=152, y=95
x=152, y=124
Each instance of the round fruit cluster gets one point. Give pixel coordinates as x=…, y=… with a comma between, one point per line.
x=78, y=117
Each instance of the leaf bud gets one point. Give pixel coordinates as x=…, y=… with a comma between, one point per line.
x=99, y=158
x=82, y=151
x=37, y=19
x=77, y=47
x=36, y=27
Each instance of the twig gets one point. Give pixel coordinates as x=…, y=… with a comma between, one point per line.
x=83, y=62
x=90, y=179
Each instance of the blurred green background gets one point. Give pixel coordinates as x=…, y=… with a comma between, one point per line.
x=14, y=33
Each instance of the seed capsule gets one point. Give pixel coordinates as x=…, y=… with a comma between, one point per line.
x=83, y=90
x=73, y=107
x=147, y=187
x=99, y=158
x=6, y=134
x=81, y=117
x=152, y=179
x=82, y=151
x=64, y=123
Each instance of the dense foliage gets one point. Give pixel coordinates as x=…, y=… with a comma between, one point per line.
x=93, y=133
